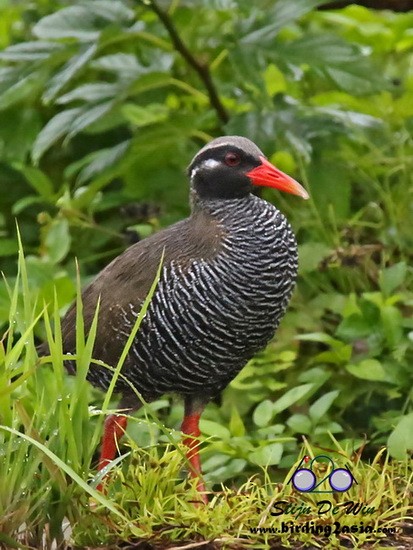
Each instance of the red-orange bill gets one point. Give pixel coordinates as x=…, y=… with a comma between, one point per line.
x=267, y=175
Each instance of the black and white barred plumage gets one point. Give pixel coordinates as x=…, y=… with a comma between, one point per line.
x=206, y=320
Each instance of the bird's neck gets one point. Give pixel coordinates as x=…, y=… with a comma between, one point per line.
x=230, y=212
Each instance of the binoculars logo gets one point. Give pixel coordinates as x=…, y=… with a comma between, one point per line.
x=305, y=481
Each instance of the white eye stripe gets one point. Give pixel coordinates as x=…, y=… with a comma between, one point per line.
x=211, y=163
x=208, y=163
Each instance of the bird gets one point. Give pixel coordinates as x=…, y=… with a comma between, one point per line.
x=227, y=275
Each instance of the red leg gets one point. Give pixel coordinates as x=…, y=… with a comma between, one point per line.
x=190, y=427
x=115, y=426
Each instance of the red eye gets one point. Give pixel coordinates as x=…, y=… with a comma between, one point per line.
x=232, y=159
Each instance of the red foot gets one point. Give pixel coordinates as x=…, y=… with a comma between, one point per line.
x=115, y=426
x=190, y=427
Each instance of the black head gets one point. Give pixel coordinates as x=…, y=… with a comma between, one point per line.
x=220, y=168
x=228, y=167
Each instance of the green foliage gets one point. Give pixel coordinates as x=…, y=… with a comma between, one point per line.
x=101, y=109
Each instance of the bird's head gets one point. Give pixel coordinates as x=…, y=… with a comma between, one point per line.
x=229, y=167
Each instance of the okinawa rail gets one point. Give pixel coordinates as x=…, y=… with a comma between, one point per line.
x=226, y=279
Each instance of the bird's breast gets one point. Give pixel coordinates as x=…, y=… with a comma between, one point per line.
x=207, y=319
x=210, y=315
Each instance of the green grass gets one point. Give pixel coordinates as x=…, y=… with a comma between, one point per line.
x=49, y=432
x=158, y=506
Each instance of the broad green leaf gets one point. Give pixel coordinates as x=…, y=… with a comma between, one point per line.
x=351, y=118
x=223, y=5
x=102, y=160
x=90, y=93
x=355, y=326
x=109, y=121
x=319, y=374
x=71, y=22
x=82, y=21
x=208, y=427
x=30, y=51
x=282, y=14
x=26, y=86
x=143, y=230
x=38, y=180
x=392, y=277
x=23, y=203
x=58, y=240
x=320, y=49
x=339, y=59
x=357, y=78
x=9, y=76
x=291, y=397
x=123, y=63
x=319, y=408
x=69, y=71
x=338, y=355
x=311, y=254
x=300, y=423
x=216, y=461
x=151, y=81
x=54, y=130
x=267, y=456
x=263, y=413
x=317, y=337
x=232, y=468
x=114, y=11
x=275, y=81
x=369, y=369
x=332, y=427
x=244, y=70
x=288, y=356
x=87, y=117
x=400, y=442
x=143, y=116
x=392, y=325
x=236, y=425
